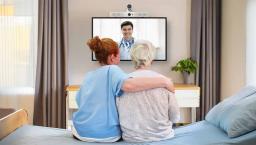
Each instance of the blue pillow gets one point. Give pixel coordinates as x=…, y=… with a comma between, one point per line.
x=240, y=118
x=217, y=113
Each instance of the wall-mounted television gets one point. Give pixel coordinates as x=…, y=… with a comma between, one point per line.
x=153, y=29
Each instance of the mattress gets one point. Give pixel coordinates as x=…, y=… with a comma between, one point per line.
x=199, y=133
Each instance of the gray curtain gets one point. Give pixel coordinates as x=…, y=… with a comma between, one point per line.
x=51, y=73
x=205, y=49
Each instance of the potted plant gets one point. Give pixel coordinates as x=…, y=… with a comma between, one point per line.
x=186, y=67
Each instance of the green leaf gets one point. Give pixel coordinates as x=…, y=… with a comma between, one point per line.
x=185, y=65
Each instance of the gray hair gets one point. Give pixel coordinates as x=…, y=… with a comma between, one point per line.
x=142, y=53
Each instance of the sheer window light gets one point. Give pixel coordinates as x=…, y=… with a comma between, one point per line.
x=251, y=43
x=18, y=45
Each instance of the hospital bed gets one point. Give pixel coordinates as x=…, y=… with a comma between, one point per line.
x=15, y=131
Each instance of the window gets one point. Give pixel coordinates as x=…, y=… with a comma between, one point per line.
x=18, y=45
x=251, y=43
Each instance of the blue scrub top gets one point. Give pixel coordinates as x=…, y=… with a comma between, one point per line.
x=97, y=115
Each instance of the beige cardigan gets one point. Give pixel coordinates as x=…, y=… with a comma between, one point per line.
x=147, y=115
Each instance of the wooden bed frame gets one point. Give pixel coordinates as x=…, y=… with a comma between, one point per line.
x=12, y=121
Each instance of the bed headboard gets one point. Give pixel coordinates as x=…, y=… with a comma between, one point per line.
x=6, y=111
x=12, y=121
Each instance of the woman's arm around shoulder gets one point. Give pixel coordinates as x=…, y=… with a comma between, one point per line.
x=144, y=83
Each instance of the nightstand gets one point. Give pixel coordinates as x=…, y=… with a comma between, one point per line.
x=188, y=96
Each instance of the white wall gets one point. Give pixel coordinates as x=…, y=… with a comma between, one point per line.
x=233, y=46
x=251, y=43
x=81, y=11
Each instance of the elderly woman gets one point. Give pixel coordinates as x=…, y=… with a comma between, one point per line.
x=146, y=115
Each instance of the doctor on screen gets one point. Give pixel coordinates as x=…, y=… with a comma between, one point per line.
x=127, y=40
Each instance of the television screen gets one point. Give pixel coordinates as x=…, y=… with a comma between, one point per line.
x=126, y=30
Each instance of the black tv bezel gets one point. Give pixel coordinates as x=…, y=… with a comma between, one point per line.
x=165, y=18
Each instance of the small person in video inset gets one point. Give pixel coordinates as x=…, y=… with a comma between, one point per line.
x=127, y=41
